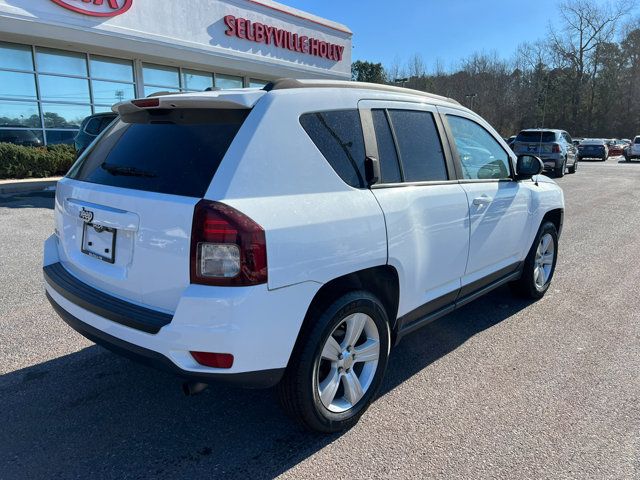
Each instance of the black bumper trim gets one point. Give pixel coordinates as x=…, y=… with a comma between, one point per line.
x=257, y=379
x=102, y=304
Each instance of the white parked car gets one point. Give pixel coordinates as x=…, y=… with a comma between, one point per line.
x=292, y=235
x=632, y=152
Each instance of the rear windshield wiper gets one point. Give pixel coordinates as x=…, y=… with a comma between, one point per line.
x=127, y=171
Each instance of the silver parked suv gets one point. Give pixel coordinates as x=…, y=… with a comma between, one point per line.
x=554, y=147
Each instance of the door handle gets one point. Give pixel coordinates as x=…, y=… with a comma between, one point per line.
x=482, y=200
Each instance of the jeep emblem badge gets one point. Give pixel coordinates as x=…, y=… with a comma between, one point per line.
x=86, y=215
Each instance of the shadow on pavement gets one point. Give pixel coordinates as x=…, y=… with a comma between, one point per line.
x=92, y=413
x=42, y=199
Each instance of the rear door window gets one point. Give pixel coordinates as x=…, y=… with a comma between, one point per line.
x=419, y=145
x=389, y=167
x=338, y=136
x=172, y=151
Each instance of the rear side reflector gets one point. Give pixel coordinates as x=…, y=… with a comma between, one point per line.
x=227, y=247
x=215, y=360
x=146, y=102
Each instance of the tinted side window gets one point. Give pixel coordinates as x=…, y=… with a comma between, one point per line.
x=338, y=135
x=106, y=121
x=389, y=168
x=419, y=145
x=93, y=126
x=481, y=156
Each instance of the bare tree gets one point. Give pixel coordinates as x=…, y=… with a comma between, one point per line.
x=586, y=24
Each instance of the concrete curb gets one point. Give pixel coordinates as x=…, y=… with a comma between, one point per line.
x=27, y=185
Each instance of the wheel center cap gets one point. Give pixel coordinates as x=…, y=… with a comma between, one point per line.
x=347, y=360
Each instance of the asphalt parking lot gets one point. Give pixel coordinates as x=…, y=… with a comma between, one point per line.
x=500, y=389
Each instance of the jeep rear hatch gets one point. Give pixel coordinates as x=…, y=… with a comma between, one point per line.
x=125, y=209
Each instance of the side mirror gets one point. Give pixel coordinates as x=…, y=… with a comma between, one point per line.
x=528, y=166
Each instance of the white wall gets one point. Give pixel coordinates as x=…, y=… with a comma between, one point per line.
x=181, y=32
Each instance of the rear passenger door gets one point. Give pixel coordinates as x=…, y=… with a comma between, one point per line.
x=498, y=205
x=425, y=209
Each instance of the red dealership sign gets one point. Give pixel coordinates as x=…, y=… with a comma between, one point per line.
x=261, y=33
x=96, y=8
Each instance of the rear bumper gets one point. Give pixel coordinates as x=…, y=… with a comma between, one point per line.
x=145, y=356
x=257, y=326
x=552, y=160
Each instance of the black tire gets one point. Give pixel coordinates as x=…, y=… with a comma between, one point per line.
x=299, y=387
x=559, y=172
x=573, y=168
x=526, y=286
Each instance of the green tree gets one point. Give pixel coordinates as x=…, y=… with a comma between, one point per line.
x=367, y=72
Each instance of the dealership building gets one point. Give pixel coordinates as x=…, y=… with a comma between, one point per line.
x=62, y=60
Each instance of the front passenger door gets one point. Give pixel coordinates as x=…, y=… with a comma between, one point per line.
x=498, y=205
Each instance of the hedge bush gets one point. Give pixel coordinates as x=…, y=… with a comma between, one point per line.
x=17, y=161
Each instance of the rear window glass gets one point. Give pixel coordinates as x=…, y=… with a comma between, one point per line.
x=419, y=144
x=338, y=136
x=173, y=151
x=538, y=137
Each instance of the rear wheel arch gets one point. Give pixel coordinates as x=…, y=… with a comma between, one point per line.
x=381, y=281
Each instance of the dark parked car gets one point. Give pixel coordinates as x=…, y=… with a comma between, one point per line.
x=26, y=138
x=593, y=148
x=90, y=128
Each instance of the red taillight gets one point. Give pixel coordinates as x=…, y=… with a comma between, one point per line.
x=146, y=102
x=227, y=247
x=215, y=360
x=555, y=148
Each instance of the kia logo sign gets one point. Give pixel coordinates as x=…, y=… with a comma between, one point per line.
x=96, y=8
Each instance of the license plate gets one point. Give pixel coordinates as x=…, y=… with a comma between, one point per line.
x=99, y=242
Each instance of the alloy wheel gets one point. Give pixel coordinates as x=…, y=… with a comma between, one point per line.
x=348, y=363
x=544, y=260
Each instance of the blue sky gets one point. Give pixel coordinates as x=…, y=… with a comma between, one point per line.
x=448, y=30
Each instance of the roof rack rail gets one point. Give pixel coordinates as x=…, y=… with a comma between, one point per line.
x=289, y=83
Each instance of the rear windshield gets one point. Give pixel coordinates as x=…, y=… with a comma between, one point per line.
x=536, y=137
x=170, y=151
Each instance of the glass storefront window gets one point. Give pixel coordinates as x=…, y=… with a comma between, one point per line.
x=59, y=61
x=19, y=114
x=64, y=89
x=255, y=83
x=228, y=81
x=150, y=90
x=60, y=136
x=112, y=92
x=102, y=108
x=64, y=116
x=15, y=57
x=196, y=81
x=111, y=69
x=161, y=76
x=18, y=85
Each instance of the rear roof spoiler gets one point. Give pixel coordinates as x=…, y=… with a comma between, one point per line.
x=228, y=99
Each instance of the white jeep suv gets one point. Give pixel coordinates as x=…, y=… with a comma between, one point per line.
x=291, y=235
